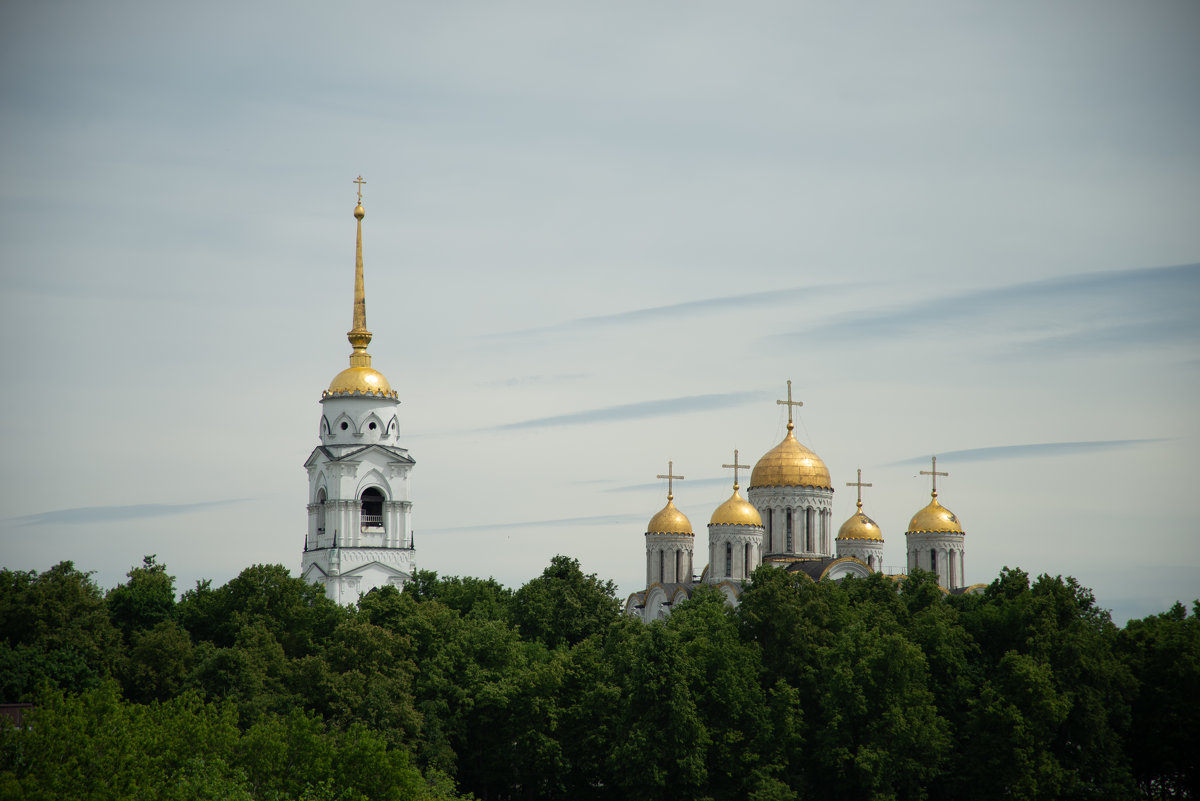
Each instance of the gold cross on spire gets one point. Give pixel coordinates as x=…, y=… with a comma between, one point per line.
x=789, y=403
x=735, y=467
x=860, y=485
x=359, y=180
x=934, y=472
x=671, y=479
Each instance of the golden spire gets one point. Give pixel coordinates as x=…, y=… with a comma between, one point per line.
x=860, y=485
x=359, y=336
x=789, y=403
x=735, y=467
x=934, y=472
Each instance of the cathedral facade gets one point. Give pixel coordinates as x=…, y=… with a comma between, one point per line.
x=786, y=522
x=359, y=514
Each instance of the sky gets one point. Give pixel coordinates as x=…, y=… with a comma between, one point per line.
x=598, y=237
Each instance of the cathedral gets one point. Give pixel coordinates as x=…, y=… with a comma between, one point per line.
x=786, y=522
x=359, y=528
x=359, y=513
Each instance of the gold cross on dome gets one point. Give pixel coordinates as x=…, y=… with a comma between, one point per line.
x=934, y=472
x=789, y=403
x=735, y=467
x=671, y=479
x=860, y=485
x=359, y=180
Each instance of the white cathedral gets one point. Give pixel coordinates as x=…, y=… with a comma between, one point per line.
x=787, y=523
x=359, y=513
x=359, y=527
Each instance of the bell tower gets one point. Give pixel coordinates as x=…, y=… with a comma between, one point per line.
x=359, y=515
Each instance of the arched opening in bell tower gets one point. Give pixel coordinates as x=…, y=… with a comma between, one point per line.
x=371, y=515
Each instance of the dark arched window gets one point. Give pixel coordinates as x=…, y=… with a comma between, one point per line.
x=372, y=509
x=728, y=559
x=662, y=556
x=788, y=543
x=746, y=563
x=933, y=559
x=678, y=565
x=321, y=511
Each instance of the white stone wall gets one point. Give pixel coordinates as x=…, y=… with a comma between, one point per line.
x=812, y=513
x=951, y=556
x=669, y=558
x=868, y=551
x=739, y=539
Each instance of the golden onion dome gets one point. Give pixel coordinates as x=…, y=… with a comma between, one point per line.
x=361, y=380
x=790, y=464
x=736, y=511
x=669, y=521
x=860, y=527
x=935, y=519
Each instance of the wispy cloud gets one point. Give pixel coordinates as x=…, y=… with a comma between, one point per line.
x=726, y=481
x=1123, y=307
x=636, y=411
x=1036, y=450
x=109, y=514
x=657, y=314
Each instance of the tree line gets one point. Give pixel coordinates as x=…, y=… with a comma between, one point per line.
x=459, y=687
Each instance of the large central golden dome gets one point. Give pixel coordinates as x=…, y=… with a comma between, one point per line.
x=790, y=464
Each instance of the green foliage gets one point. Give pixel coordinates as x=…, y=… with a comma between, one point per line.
x=865, y=688
x=146, y=600
x=54, y=631
x=563, y=606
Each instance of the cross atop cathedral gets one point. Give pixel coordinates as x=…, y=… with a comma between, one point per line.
x=860, y=486
x=359, y=180
x=735, y=467
x=789, y=403
x=671, y=479
x=934, y=472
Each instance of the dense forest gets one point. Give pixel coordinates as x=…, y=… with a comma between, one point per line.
x=461, y=687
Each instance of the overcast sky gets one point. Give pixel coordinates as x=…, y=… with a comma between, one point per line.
x=598, y=237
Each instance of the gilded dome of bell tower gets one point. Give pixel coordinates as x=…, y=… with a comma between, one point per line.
x=359, y=379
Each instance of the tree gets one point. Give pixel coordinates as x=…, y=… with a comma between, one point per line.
x=54, y=630
x=563, y=606
x=146, y=600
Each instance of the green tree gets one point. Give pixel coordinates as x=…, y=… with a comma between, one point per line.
x=1163, y=652
x=54, y=631
x=564, y=606
x=146, y=600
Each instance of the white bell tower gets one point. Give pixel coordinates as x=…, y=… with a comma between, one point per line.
x=359, y=515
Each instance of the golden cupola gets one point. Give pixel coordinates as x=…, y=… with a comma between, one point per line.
x=669, y=519
x=359, y=379
x=736, y=511
x=859, y=526
x=934, y=518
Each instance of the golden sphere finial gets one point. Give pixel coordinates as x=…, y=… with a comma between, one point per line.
x=358, y=212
